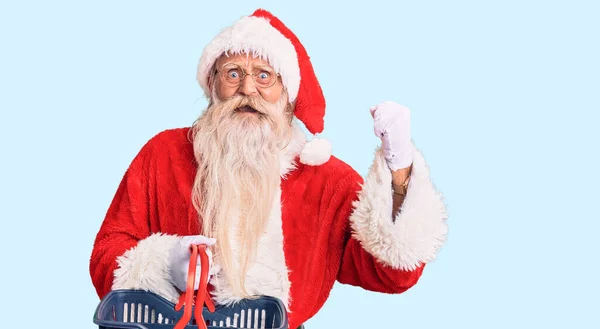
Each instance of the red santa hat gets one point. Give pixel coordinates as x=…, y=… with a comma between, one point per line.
x=264, y=35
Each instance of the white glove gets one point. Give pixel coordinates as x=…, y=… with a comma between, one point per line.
x=179, y=260
x=392, y=126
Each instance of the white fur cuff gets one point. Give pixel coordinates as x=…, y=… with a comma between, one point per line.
x=419, y=229
x=146, y=267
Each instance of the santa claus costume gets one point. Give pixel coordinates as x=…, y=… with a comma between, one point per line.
x=327, y=224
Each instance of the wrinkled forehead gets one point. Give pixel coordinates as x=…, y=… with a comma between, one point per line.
x=243, y=59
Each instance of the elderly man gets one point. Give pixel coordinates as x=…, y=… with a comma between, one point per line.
x=281, y=215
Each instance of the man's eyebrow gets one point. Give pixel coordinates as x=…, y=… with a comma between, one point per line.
x=230, y=63
x=264, y=67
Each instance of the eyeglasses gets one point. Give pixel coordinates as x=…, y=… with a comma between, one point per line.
x=232, y=75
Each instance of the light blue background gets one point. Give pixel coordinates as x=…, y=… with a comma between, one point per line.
x=504, y=99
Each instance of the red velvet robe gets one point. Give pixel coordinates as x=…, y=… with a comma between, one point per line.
x=335, y=226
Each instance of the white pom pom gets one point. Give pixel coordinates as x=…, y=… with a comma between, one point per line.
x=316, y=152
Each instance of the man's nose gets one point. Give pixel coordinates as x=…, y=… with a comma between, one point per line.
x=248, y=87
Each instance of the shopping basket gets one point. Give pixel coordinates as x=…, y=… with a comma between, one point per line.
x=127, y=309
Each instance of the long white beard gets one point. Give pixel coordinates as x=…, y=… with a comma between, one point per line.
x=237, y=178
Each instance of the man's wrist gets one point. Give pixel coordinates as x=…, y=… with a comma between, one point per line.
x=400, y=180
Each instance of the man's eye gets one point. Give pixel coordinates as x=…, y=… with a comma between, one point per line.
x=263, y=75
x=233, y=74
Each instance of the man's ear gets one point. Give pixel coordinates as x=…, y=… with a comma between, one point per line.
x=209, y=82
x=290, y=110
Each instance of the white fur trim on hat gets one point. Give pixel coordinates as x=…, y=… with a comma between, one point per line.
x=316, y=152
x=256, y=36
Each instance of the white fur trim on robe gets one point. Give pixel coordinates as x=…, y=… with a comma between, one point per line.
x=146, y=267
x=418, y=230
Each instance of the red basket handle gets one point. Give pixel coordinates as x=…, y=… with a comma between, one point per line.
x=187, y=297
